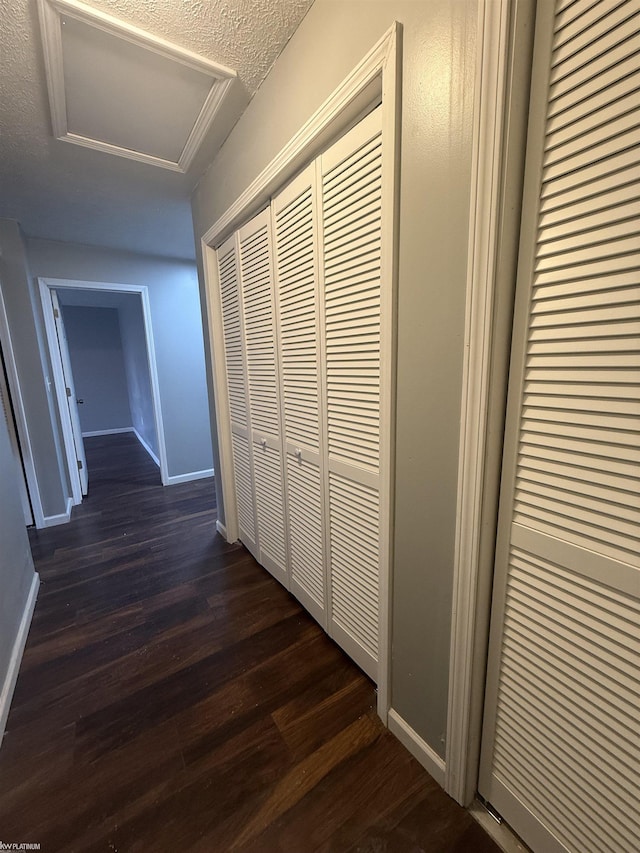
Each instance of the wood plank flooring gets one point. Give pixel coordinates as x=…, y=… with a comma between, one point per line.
x=174, y=697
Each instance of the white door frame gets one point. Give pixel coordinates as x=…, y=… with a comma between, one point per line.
x=15, y=445
x=70, y=398
x=46, y=285
x=472, y=575
x=375, y=80
x=504, y=40
x=20, y=416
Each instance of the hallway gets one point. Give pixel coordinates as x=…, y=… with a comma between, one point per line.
x=174, y=697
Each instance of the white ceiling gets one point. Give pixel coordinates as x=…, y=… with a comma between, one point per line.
x=64, y=192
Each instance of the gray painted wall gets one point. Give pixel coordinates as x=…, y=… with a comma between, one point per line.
x=22, y=304
x=97, y=362
x=437, y=102
x=16, y=564
x=177, y=331
x=136, y=366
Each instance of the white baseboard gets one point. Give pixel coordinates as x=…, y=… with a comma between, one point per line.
x=6, y=695
x=106, y=432
x=420, y=749
x=63, y=518
x=146, y=446
x=222, y=530
x=186, y=478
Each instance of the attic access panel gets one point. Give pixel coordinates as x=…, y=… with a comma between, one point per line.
x=115, y=88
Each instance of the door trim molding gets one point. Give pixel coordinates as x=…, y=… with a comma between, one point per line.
x=362, y=86
x=45, y=286
x=489, y=120
x=22, y=426
x=376, y=79
x=215, y=330
x=14, y=441
x=60, y=388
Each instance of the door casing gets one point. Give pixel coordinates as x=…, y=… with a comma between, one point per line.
x=77, y=444
x=503, y=76
x=22, y=427
x=46, y=285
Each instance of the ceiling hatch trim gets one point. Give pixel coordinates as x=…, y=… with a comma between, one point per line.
x=51, y=14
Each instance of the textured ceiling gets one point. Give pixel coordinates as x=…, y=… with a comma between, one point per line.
x=63, y=192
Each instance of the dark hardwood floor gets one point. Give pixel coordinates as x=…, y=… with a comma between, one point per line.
x=174, y=697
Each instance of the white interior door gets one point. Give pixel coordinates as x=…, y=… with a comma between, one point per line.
x=304, y=304
x=351, y=230
x=237, y=392
x=72, y=402
x=256, y=275
x=296, y=262
x=561, y=741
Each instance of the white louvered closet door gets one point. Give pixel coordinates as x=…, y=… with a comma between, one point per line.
x=256, y=275
x=561, y=743
x=237, y=389
x=351, y=198
x=296, y=257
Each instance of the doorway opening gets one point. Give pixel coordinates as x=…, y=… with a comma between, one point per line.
x=86, y=395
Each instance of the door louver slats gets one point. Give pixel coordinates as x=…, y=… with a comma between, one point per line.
x=608, y=68
x=300, y=297
x=304, y=487
x=596, y=39
x=561, y=754
x=354, y=560
x=600, y=645
x=244, y=485
x=233, y=336
x=297, y=292
x=563, y=365
x=236, y=375
x=270, y=506
x=255, y=264
x=353, y=311
x=256, y=276
x=298, y=310
x=581, y=15
x=351, y=238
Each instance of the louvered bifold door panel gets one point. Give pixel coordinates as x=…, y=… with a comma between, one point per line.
x=267, y=460
x=244, y=488
x=566, y=695
x=256, y=274
x=351, y=265
x=305, y=514
x=296, y=262
x=237, y=389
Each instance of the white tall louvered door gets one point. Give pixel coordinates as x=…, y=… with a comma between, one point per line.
x=351, y=204
x=561, y=741
x=256, y=275
x=296, y=262
x=237, y=390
